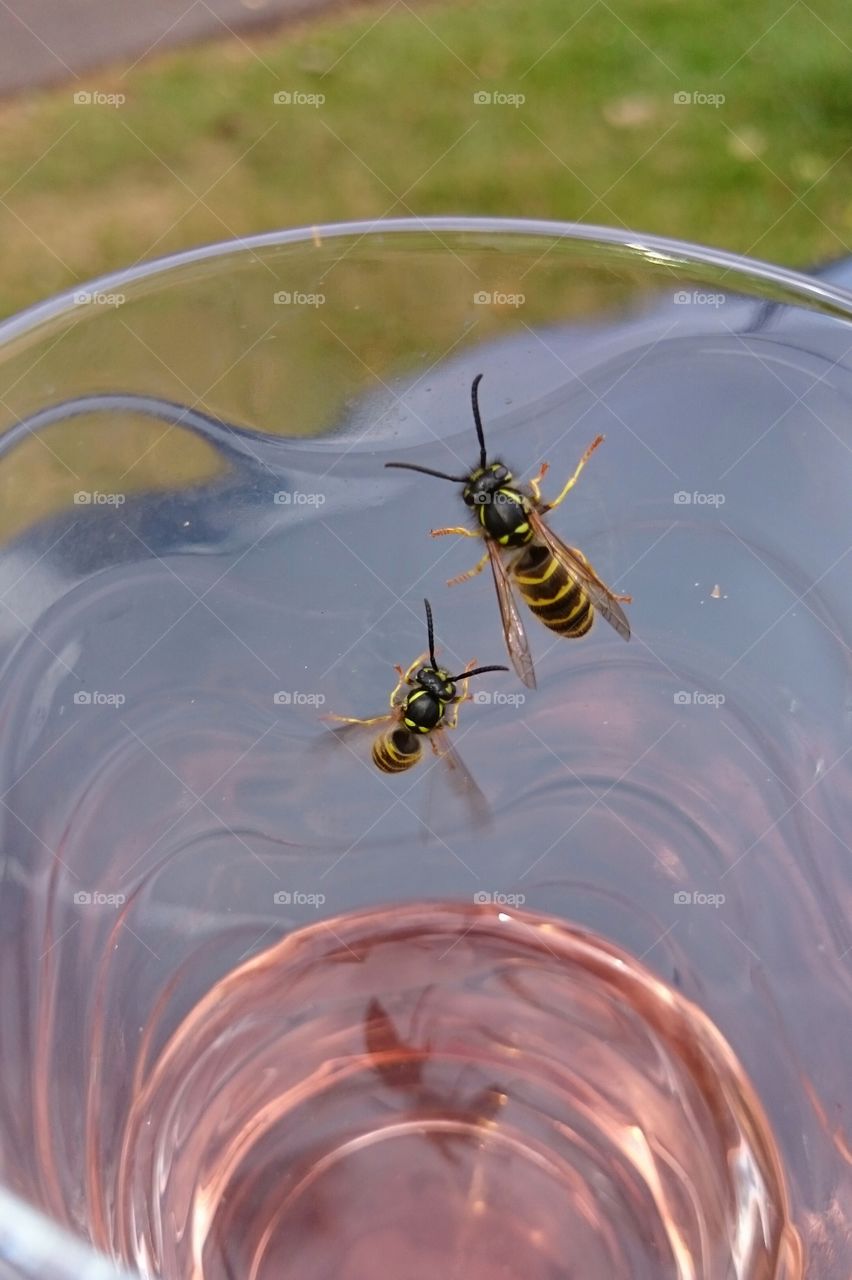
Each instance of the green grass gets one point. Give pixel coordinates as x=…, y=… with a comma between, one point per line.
x=599, y=137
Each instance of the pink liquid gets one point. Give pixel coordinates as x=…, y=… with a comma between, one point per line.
x=454, y=1091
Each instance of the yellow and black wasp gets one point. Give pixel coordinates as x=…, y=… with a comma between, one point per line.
x=424, y=703
x=556, y=581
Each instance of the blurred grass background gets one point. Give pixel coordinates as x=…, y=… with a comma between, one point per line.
x=200, y=151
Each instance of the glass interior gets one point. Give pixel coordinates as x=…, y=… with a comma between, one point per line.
x=202, y=554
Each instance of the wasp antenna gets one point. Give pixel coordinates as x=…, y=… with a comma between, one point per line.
x=431, y=634
x=477, y=671
x=427, y=471
x=474, y=400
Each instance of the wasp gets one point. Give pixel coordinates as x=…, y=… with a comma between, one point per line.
x=424, y=703
x=400, y=1065
x=556, y=581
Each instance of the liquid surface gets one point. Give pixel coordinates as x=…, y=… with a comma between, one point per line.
x=516, y=1101
x=685, y=795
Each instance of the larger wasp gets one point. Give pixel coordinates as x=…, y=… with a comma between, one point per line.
x=556, y=581
x=427, y=707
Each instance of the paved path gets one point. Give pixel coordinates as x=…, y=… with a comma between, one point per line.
x=45, y=42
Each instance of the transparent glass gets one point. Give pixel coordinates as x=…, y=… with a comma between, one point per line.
x=267, y=1011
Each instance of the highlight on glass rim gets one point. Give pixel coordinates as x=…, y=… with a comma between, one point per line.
x=365, y=907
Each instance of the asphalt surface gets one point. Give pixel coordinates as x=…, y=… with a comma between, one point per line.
x=45, y=42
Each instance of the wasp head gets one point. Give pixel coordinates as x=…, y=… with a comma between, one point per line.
x=437, y=682
x=484, y=482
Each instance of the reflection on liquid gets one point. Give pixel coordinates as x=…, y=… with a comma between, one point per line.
x=167, y=834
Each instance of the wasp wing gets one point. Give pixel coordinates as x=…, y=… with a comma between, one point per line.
x=346, y=733
x=584, y=575
x=460, y=778
x=513, y=627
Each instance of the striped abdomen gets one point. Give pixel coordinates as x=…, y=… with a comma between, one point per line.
x=551, y=592
x=396, y=750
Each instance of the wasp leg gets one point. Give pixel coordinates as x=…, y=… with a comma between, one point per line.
x=549, y=506
x=453, y=719
x=623, y=599
x=456, y=528
x=400, y=682
x=464, y=696
x=408, y=676
x=354, y=719
x=535, y=484
x=470, y=573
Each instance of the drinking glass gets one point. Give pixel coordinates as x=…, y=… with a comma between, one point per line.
x=574, y=1001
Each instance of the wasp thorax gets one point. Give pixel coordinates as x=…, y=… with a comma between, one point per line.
x=483, y=484
x=437, y=683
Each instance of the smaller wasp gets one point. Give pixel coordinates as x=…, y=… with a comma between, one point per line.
x=556, y=581
x=422, y=712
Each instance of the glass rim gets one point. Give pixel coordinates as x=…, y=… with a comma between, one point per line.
x=656, y=250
